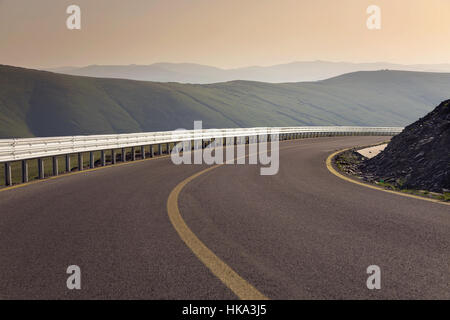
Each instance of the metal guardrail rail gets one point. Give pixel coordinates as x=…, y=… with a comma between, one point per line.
x=12, y=150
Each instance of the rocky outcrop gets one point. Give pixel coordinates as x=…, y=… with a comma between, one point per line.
x=419, y=157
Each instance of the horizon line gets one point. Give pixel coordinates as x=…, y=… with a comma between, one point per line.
x=243, y=67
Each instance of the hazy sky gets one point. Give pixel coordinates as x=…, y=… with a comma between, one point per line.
x=223, y=33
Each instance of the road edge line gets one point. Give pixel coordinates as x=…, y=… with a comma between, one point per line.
x=329, y=164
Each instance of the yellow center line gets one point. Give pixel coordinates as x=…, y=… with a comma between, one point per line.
x=243, y=289
x=220, y=269
x=340, y=175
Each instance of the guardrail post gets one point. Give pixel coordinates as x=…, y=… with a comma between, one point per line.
x=103, y=158
x=174, y=148
x=41, y=173
x=80, y=161
x=124, y=155
x=8, y=177
x=133, y=154
x=24, y=171
x=151, y=151
x=113, y=156
x=68, y=168
x=55, y=166
x=91, y=160
x=142, y=152
x=159, y=149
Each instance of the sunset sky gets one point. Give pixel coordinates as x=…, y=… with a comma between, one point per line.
x=222, y=33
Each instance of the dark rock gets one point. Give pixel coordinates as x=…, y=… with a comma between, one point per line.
x=419, y=157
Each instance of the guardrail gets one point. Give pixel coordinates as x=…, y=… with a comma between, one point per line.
x=12, y=150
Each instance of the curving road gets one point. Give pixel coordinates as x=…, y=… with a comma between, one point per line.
x=301, y=234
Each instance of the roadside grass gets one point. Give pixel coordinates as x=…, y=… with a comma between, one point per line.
x=348, y=158
x=345, y=159
x=424, y=193
x=445, y=197
x=16, y=166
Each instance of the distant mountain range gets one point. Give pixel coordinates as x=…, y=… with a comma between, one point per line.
x=39, y=103
x=200, y=74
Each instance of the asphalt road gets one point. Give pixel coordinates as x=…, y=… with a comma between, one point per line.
x=301, y=234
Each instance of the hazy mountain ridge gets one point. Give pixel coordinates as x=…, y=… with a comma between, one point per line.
x=38, y=103
x=201, y=74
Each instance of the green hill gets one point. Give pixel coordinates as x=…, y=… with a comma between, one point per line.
x=39, y=103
